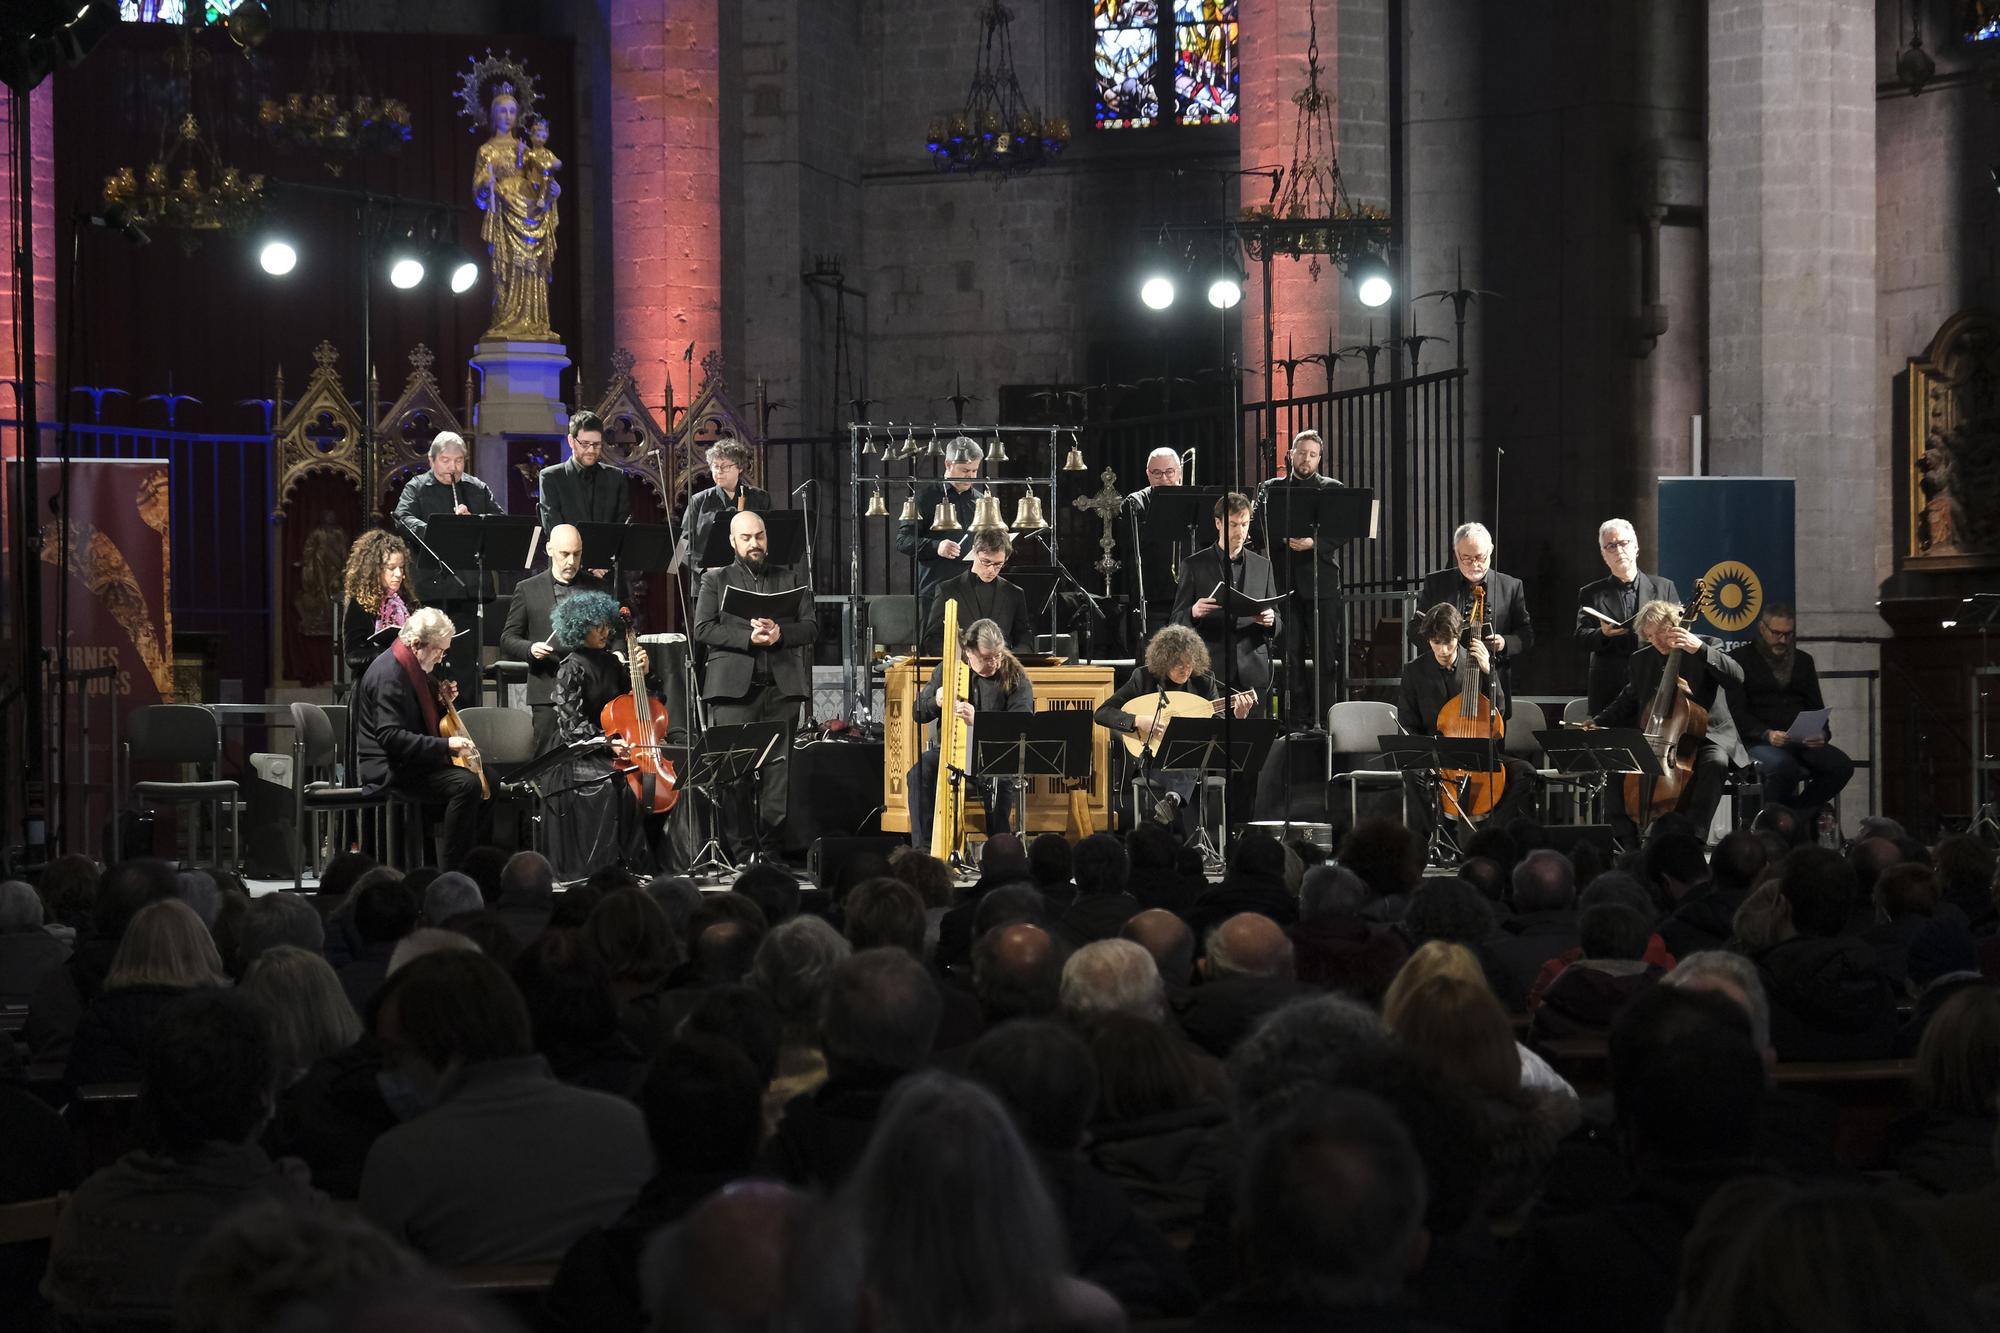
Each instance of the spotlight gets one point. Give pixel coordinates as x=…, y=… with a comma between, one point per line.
x=1157, y=291
x=248, y=25
x=405, y=272
x=1225, y=288
x=278, y=257
x=1371, y=280
x=464, y=274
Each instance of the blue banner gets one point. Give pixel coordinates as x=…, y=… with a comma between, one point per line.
x=1733, y=537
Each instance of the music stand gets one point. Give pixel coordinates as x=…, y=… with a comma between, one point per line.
x=1591, y=758
x=1181, y=511
x=496, y=541
x=1019, y=746
x=1332, y=516
x=1432, y=755
x=1231, y=747
x=784, y=534
x=637, y=548
x=728, y=754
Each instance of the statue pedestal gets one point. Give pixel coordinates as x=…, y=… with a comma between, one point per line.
x=520, y=394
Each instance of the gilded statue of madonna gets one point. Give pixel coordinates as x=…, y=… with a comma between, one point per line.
x=514, y=188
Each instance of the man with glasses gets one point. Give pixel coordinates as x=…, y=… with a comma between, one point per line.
x=1615, y=600
x=941, y=555
x=1507, y=629
x=1159, y=551
x=983, y=595
x=1780, y=682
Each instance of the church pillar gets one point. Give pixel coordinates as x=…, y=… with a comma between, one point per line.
x=43, y=128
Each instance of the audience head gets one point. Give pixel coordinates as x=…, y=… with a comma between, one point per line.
x=1763, y=919
x=1144, y=1068
x=69, y=888
x=773, y=888
x=1258, y=857
x=1870, y=857
x=448, y=895
x=632, y=934
x=1464, y=1029
x=1544, y=881
x=1438, y=958
x=271, y=1260
x=723, y=935
x=340, y=874
x=1488, y=876
x=1685, y=1079
x=1044, y=1075
x=727, y=1266
x=273, y=920
x=1820, y=889
x=1737, y=980
x=429, y=940
x=793, y=965
x=445, y=1011
x=928, y=875
x=744, y=1017
x=881, y=1012
x=1613, y=931
x=1906, y=889
x=1165, y=936
x=1010, y=904
x=208, y=1073
x=1941, y=947
x=125, y=888
x=567, y=990
x=1016, y=973
x=1737, y=860
x=704, y=1105
x=1784, y=821
x=1331, y=890
x=1297, y=1050
x=485, y=864
x=384, y=908
x=1049, y=861
x=165, y=945
x=1002, y=861
x=1248, y=944
x=1450, y=910
x=301, y=1000
x=198, y=889
x=1964, y=866
x=1112, y=977
x=1101, y=866
x=1958, y=1060
x=1676, y=865
x=528, y=881
x=885, y=913
x=20, y=908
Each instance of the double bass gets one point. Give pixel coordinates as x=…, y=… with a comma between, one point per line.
x=641, y=722
x=1470, y=795
x=1675, y=726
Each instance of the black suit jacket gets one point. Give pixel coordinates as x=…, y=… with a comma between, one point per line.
x=732, y=662
x=530, y=618
x=1294, y=569
x=390, y=734
x=1200, y=573
x=1706, y=674
x=917, y=538
x=1158, y=550
x=571, y=494
x=704, y=507
x=1760, y=704
x=424, y=498
x=1506, y=611
x=1608, y=656
x=1009, y=611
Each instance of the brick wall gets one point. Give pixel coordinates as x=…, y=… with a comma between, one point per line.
x=42, y=124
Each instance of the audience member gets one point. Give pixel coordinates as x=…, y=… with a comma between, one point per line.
x=1010, y=904
x=773, y=888
x=1965, y=869
x=1543, y=925
x=1247, y=972
x=1016, y=973
x=69, y=893
x=425, y=940
x=631, y=933
x=573, y=1014
x=1905, y=900
x=277, y=1265
x=1828, y=1000
x=1946, y=1145
x=496, y=1162
x=1943, y=959
x=166, y=953
x=269, y=921
x=931, y=878
x=1102, y=904
x=1254, y=882
x=1050, y=865
x=1704, y=919
x=1159, y=880
x=1162, y=1129
x=1112, y=977
x=1447, y=909
x=741, y=1015
x=1389, y=858
x=1166, y=937
x=1489, y=877
x=58, y=1003
x=487, y=865
x=1334, y=945
x=1439, y=959
x=28, y=953
x=527, y=894
x=340, y=874
x=1612, y=969
x=307, y=1012
x=450, y=894
x=794, y=966
x=486, y=932
x=723, y=935
x=1676, y=869
x=886, y=913
x=733, y=1263
x=383, y=912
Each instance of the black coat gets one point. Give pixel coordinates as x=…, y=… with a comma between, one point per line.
x=1828, y=1000
x=1506, y=611
x=1160, y=551
x=391, y=734
x=704, y=507
x=1294, y=569
x=571, y=494
x=732, y=661
x=1761, y=704
x=530, y=619
x=1001, y=602
x=424, y=498
x=1707, y=673
x=916, y=538
x=1200, y=573
x=1425, y=688
x=1607, y=655
x=358, y=644
x=1218, y=1014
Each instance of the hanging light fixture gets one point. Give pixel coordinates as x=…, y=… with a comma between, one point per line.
x=187, y=186
x=996, y=130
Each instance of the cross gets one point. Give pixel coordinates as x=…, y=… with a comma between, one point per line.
x=1106, y=504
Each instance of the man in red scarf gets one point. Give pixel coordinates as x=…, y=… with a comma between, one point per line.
x=397, y=708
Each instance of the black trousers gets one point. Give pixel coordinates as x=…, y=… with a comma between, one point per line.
x=752, y=817
x=998, y=799
x=457, y=790
x=461, y=660
x=1711, y=770
x=1324, y=651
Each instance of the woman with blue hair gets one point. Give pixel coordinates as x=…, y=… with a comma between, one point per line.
x=595, y=820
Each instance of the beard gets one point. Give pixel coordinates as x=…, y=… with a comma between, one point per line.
x=757, y=559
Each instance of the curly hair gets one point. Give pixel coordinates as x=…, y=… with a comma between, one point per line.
x=583, y=612
x=1173, y=645
x=363, y=579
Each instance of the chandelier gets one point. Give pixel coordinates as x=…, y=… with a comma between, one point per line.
x=187, y=186
x=333, y=126
x=996, y=129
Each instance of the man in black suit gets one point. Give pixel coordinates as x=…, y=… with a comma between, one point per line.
x=1779, y=682
x=1619, y=596
x=446, y=489
x=1241, y=645
x=1430, y=683
x=1153, y=570
x=999, y=684
x=940, y=555
x=397, y=745
x=727, y=461
x=758, y=671
x=983, y=595
x=528, y=636
x=1707, y=672
x=584, y=490
x=1508, y=631
x=1310, y=572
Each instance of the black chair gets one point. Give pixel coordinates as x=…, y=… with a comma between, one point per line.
x=315, y=749
x=180, y=734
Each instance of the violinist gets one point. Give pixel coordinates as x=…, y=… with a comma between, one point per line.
x=594, y=821
x=1431, y=683
x=1703, y=673
x=758, y=671
x=399, y=740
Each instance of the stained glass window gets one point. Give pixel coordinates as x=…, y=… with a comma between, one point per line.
x=173, y=11
x=1202, y=78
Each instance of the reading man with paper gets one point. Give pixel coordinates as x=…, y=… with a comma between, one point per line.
x=1229, y=597
x=1782, y=716
x=1605, y=610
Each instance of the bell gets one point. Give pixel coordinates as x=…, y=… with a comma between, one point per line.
x=877, y=506
x=946, y=519
x=1073, y=462
x=986, y=514
x=910, y=446
x=935, y=448
x=868, y=445
x=998, y=453
x=1028, y=514
x=910, y=514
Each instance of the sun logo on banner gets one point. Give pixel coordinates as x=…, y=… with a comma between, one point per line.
x=1735, y=596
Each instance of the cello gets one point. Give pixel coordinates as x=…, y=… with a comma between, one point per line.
x=1470, y=715
x=1675, y=726
x=642, y=724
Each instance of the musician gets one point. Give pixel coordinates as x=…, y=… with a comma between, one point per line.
x=940, y=554
x=983, y=595
x=1510, y=632
x=1706, y=672
x=595, y=821
x=584, y=489
x=1176, y=659
x=1430, y=683
x=1779, y=682
x=1158, y=552
x=529, y=632
x=728, y=460
x=1241, y=643
x=1619, y=595
x=1310, y=571
x=446, y=489
x=398, y=710
x=1000, y=684
x=758, y=671
x=374, y=596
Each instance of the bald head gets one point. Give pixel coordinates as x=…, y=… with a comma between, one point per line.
x=1166, y=937
x=748, y=540
x=724, y=1264
x=1016, y=972
x=565, y=548
x=1249, y=944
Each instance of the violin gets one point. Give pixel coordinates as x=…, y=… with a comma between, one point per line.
x=1674, y=725
x=641, y=722
x=1470, y=715
x=451, y=724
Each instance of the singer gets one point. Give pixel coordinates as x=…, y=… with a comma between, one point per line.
x=446, y=489
x=727, y=461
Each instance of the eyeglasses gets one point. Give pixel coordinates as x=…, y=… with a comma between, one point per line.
x=1620, y=544
x=1792, y=633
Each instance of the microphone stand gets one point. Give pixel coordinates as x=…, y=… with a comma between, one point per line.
x=1094, y=603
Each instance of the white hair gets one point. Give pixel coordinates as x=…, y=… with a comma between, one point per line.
x=426, y=940
x=1471, y=530
x=426, y=625
x=447, y=441
x=1701, y=971
x=20, y=906
x=1113, y=977
x=1611, y=525
x=1164, y=451
x=963, y=449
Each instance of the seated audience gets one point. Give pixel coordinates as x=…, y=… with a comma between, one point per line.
x=58, y=1003
x=1829, y=1001
x=733, y=1263
x=450, y=894
x=1447, y=909
x=1247, y=972
x=1016, y=973
x=166, y=953
x=1612, y=969
x=1166, y=937
x=303, y=1005
x=1334, y=946
x=793, y=967
x=886, y=913
x=1943, y=958
x=1543, y=925
x=28, y=953
x=1946, y=1145
x=1389, y=858
x=1439, y=959
x=382, y=912
x=1965, y=869
x=1112, y=977
x=1703, y=919
x=1162, y=1129
x=773, y=888
x=69, y=893
x=1254, y=882
x=269, y=921
x=527, y=897
x=1051, y=861
x=1905, y=900
x=1160, y=878
x=275, y=1265
x=573, y=1013
x=634, y=936
x=1102, y=903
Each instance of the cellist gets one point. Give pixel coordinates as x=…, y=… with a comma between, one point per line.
x=1703, y=670
x=594, y=821
x=1430, y=682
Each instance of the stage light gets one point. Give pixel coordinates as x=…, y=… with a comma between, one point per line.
x=405, y=272
x=464, y=275
x=1225, y=287
x=1372, y=282
x=278, y=257
x=1157, y=291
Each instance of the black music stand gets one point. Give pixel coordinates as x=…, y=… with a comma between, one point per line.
x=784, y=534
x=484, y=541
x=1019, y=746
x=1591, y=758
x=1431, y=755
x=1185, y=514
x=1331, y=516
x=637, y=548
x=726, y=756
x=1232, y=747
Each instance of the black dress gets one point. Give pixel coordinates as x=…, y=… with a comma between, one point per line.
x=594, y=820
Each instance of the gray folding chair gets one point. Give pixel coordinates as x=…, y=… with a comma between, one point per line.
x=315, y=748
x=179, y=734
x=1356, y=726
x=506, y=740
